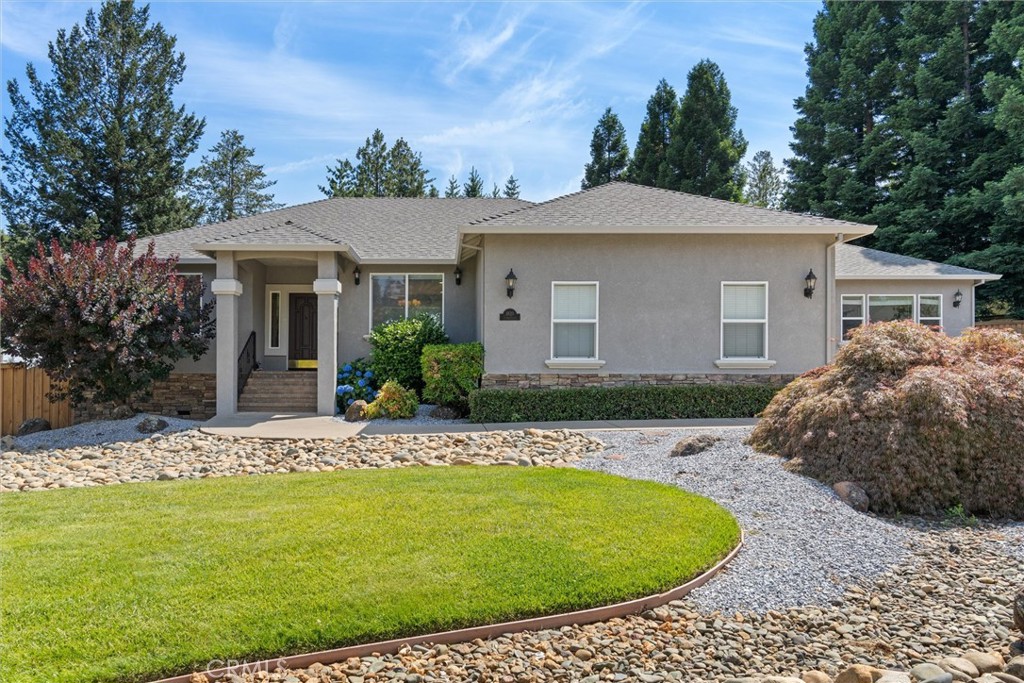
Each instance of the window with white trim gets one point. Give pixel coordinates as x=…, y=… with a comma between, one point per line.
x=190, y=289
x=397, y=296
x=929, y=310
x=852, y=313
x=574, y=309
x=744, y=320
x=886, y=307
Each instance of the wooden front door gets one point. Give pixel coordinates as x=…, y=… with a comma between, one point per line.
x=301, y=331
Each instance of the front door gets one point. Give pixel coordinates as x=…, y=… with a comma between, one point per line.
x=302, y=331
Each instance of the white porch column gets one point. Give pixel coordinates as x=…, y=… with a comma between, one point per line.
x=327, y=289
x=227, y=289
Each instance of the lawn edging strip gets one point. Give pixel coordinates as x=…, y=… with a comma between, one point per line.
x=578, y=617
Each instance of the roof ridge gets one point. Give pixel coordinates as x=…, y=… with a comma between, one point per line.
x=664, y=190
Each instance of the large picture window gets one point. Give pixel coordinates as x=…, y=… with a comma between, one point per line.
x=396, y=296
x=886, y=307
x=744, y=320
x=574, y=320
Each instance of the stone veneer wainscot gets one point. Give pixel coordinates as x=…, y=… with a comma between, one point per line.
x=187, y=395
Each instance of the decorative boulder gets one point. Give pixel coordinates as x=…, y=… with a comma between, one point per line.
x=356, y=412
x=445, y=413
x=692, y=445
x=32, y=425
x=122, y=413
x=151, y=424
x=853, y=495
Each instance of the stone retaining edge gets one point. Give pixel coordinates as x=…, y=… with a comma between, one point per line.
x=586, y=616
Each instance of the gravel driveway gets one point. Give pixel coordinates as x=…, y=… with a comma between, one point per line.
x=803, y=545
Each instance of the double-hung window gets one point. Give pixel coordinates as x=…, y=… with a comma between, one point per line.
x=929, y=310
x=852, y=312
x=397, y=296
x=574, y=309
x=744, y=320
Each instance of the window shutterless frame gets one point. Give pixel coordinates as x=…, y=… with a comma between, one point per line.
x=930, y=320
x=723, y=322
x=597, y=314
x=843, y=319
x=275, y=316
x=405, y=276
x=869, y=297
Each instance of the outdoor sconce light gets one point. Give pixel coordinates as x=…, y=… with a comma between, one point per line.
x=958, y=298
x=355, y=275
x=510, y=283
x=458, y=276
x=809, y=282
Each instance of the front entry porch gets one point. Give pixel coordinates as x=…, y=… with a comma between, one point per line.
x=277, y=344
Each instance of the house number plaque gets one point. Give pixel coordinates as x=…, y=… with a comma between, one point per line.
x=509, y=314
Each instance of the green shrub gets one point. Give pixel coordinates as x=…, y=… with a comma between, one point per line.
x=393, y=401
x=451, y=372
x=620, y=403
x=398, y=345
x=356, y=382
x=923, y=422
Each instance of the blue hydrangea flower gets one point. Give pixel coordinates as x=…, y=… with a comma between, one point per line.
x=369, y=374
x=348, y=367
x=350, y=401
x=362, y=382
x=359, y=373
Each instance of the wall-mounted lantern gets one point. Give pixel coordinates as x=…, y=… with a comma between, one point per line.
x=958, y=299
x=510, y=283
x=458, y=276
x=810, y=282
x=355, y=275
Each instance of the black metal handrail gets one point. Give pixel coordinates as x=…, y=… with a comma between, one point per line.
x=246, y=361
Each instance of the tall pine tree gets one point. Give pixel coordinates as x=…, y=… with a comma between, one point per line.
x=102, y=143
x=229, y=185
x=380, y=172
x=511, y=188
x=453, y=191
x=474, y=185
x=764, y=181
x=706, y=147
x=649, y=165
x=609, y=152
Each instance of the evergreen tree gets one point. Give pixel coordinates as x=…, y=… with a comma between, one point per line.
x=229, y=185
x=843, y=159
x=474, y=185
x=496, y=192
x=432, y=192
x=649, y=165
x=764, y=181
x=511, y=188
x=406, y=176
x=609, y=152
x=706, y=147
x=453, y=190
x=379, y=172
x=103, y=137
x=341, y=180
x=372, y=166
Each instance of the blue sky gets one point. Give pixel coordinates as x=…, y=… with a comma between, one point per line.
x=508, y=87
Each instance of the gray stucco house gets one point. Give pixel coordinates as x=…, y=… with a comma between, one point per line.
x=619, y=284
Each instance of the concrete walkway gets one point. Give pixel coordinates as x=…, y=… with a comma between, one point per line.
x=309, y=426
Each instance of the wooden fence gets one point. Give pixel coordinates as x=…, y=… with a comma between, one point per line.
x=23, y=395
x=1015, y=325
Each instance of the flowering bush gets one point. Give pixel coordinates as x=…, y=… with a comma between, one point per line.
x=102, y=319
x=356, y=381
x=922, y=421
x=393, y=401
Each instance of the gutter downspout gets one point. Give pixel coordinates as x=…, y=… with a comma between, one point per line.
x=830, y=302
x=974, y=299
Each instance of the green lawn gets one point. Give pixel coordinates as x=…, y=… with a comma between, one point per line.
x=138, y=581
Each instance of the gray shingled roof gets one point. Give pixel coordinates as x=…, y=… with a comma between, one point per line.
x=861, y=263
x=383, y=229
x=630, y=206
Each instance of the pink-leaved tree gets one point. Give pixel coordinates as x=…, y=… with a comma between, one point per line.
x=101, y=319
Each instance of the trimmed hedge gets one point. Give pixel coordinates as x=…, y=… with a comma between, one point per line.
x=451, y=372
x=620, y=403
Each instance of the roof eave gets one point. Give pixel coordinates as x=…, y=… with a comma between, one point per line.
x=983, y=277
x=214, y=247
x=849, y=232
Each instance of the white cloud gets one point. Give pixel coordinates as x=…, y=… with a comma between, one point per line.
x=303, y=164
x=28, y=27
